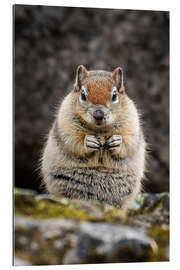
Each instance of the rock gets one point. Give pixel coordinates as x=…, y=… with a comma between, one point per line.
x=43, y=241
x=76, y=242
x=152, y=208
x=53, y=231
x=50, y=42
x=107, y=243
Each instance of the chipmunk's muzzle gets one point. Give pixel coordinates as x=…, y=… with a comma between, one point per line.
x=99, y=117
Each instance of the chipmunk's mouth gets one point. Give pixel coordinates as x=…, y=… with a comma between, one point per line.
x=104, y=123
x=100, y=123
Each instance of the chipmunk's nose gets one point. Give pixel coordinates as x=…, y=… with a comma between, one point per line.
x=98, y=115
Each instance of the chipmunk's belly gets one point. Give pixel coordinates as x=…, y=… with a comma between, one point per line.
x=101, y=184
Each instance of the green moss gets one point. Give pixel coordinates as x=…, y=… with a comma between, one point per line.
x=24, y=191
x=161, y=237
x=28, y=206
x=114, y=216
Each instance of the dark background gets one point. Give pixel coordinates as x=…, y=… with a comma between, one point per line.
x=50, y=42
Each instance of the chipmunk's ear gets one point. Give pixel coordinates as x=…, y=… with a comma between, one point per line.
x=118, y=78
x=81, y=74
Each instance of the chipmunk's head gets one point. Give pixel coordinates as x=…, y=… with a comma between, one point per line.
x=98, y=95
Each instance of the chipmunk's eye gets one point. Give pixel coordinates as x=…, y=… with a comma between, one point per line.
x=83, y=96
x=114, y=97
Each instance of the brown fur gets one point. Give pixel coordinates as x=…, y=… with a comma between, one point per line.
x=99, y=93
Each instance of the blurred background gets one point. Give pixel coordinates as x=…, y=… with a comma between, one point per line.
x=50, y=42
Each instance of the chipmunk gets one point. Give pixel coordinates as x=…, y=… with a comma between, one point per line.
x=96, y=148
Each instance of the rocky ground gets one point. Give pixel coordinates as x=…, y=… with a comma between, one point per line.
x=60, y=231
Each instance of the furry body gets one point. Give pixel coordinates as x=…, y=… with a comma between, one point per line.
x=70, y=169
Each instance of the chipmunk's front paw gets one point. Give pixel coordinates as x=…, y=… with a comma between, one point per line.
x=114, y=142
x=91, y=143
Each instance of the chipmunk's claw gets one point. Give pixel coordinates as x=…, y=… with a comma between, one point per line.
x=91, y=143
x=114, y=142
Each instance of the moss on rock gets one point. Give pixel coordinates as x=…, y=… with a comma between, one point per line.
x=149, y=215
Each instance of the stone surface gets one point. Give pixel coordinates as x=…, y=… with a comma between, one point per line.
x=52, y=41
x=61, y=231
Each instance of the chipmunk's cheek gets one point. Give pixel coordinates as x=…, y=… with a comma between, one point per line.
x=88, y=117
x=109, y=118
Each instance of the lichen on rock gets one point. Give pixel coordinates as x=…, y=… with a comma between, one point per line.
x=61, y=231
